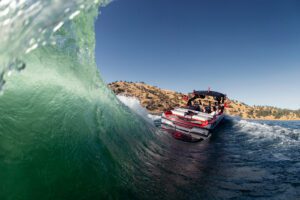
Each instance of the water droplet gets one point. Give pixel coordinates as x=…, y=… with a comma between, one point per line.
x=16, y=65
x=20, y=65
x=58, y=26
x=74, y=14
x=33, y=47
x=67, y=10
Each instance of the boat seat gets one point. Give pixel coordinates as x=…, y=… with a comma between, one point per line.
x=199, y=115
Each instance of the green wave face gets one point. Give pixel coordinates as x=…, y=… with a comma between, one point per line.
x=63, y=133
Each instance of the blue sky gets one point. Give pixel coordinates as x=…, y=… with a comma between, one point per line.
x=248, y=49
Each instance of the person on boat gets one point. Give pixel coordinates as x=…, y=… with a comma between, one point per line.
x=214, y=111
x=197, y=107
x=222, y=108
x=209, y=108
x=216, y=106
x=189, y=105
x=200, y=106
x=203, y=109
x=193, y=106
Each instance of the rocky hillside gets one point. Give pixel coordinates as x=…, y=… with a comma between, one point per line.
x=157, y=100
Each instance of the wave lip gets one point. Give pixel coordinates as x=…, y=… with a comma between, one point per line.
x=134, y=104
x=28, y=25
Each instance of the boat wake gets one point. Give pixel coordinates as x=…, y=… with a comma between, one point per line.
x=269, y=131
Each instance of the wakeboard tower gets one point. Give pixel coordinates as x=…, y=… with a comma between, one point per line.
x=194, y=122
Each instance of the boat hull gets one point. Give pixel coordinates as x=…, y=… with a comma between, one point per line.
x=189, y=130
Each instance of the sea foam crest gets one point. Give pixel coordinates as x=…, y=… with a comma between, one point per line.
x=134, y=104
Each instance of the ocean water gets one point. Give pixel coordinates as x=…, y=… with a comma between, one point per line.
x=65, y=135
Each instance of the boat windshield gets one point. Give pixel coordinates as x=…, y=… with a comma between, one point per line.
x=207, y=104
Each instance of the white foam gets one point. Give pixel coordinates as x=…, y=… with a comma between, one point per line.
x=154, y=117
x=263, y=131
x=134, y=104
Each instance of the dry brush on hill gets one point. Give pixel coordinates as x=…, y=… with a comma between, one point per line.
x=157, y=100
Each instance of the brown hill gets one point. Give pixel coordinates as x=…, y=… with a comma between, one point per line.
x=157, y=100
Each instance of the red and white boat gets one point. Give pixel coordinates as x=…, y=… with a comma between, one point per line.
x=203, y=113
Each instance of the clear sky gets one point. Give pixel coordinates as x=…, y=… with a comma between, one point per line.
x=248, y=49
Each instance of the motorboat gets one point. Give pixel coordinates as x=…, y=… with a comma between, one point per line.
x=196, y=121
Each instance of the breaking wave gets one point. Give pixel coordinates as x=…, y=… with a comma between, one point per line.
x=134, y=104
x=63, y=133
